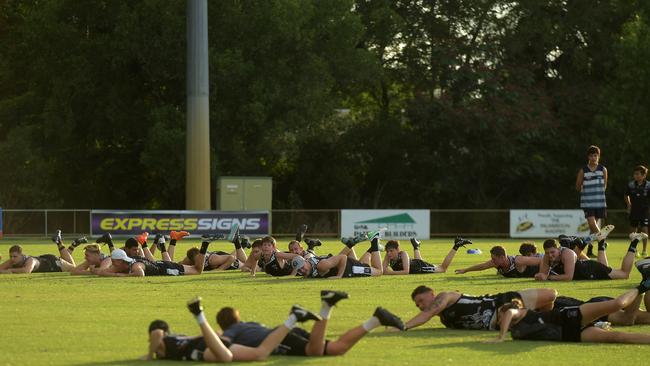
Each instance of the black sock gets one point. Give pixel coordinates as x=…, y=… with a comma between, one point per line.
x=60, y=246
x=374, y=245
x=70, y=249
x=633, y=244
x=204, y=247
x=162, y=248
x=237, y=244
x=602, y=245
x=172, y=242
x=349, y=243
x=144, y=245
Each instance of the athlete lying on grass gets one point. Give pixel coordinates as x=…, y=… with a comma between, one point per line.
x=209, y=347
x=574, y=323
x=345, y=264
x=398, y=262
x=21, y=263
x=516, y=266
x=299, y=342
x=123, y=265
x=566, y=264
x=463, y=311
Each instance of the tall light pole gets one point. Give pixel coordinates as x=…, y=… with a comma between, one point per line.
x=197, y=173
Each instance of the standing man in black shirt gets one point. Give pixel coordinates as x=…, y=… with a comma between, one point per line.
x=637, y=199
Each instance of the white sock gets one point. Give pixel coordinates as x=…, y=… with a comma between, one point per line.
x=291, y=321
x=325, y=310
x=371, y=324
x=201, y=318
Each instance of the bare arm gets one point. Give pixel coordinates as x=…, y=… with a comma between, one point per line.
x=606, y=176
x=579, y=179
x=504, y=324
x=5, y=265
x=477, y=267
x=81, y=269
x=155, y=339
x=627, y=201
x=569, y=262
x=544, y=269
x=439, y=304
x=522, y=260
x=28, y=267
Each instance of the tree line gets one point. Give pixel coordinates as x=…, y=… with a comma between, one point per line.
x=345, y=103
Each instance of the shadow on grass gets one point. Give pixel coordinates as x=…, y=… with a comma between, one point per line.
x=445, y=338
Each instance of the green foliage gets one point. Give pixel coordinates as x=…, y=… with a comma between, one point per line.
x=452, y=103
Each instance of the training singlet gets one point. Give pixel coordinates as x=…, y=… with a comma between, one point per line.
x=159, y=268
x=274, y=268
x=512, y=271
x=471, y=312
x=416, y=266
x=593, y=188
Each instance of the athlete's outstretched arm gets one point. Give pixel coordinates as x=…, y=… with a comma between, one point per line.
x=439, y=304
x=477, y=267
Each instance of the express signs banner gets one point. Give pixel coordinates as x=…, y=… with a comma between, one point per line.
x=127, y=223
x=547, y=223
x=399, y=224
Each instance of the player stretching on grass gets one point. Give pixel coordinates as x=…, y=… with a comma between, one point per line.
x=209, y=347
x=345, y=264
x=564, y=262
x=299, y=342
x=514, y=266
x=397, y=262
x=463, y=311
x=570, y=324
x=21, y=263
x=637, y=199
x=123, y=265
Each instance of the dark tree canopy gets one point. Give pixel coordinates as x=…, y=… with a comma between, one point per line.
x=377, y=103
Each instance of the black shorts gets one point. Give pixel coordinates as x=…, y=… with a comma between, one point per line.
x=591, y=270
x=598, y=213
x=295, y=343
x=639, y=222
x=571, y=324
x=48, y=263
x=168, y=269
x=418, y=266
x=354, y=268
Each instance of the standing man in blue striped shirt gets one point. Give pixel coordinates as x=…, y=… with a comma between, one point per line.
x=591, y=183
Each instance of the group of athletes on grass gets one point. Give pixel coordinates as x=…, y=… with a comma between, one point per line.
x=531, y=314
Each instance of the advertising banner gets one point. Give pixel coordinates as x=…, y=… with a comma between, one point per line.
x=128, y=223
x=399, y=224
x=547, y=223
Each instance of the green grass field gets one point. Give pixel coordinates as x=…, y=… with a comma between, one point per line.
x=58, y=319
